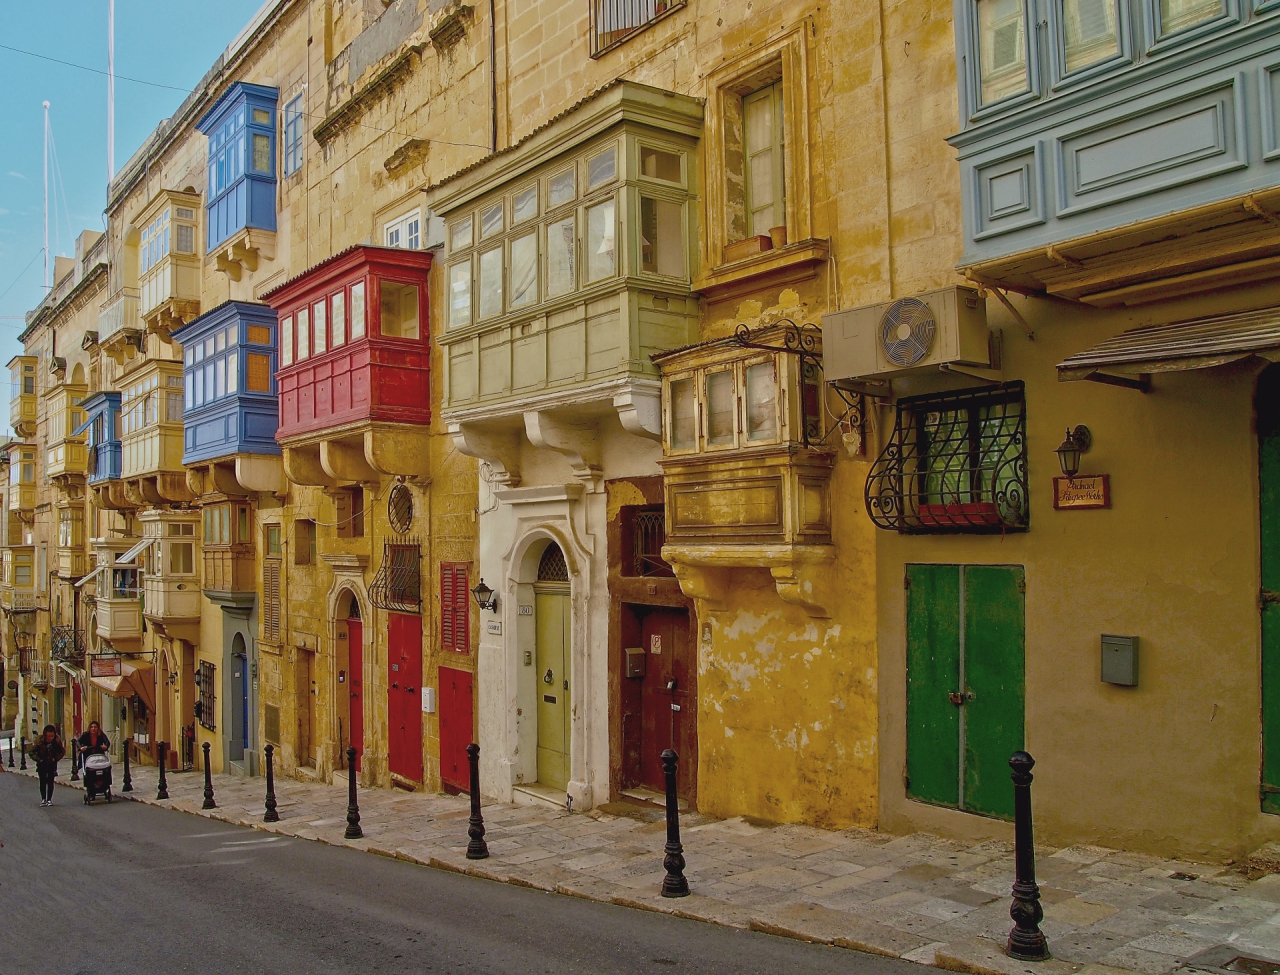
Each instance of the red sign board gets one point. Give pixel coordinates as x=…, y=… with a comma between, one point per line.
x=102, y=666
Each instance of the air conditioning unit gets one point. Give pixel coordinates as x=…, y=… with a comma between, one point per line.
x=927, y=331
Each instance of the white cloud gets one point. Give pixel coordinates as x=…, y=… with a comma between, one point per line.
x=16, y=175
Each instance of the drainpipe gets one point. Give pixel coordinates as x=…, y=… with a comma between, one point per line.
x=493, y=78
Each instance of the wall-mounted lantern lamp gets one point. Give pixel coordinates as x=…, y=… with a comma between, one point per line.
x=1077, y=442
x=485, y=597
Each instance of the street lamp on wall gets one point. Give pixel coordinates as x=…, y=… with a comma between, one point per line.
x=1076, y=443
x=485, y=597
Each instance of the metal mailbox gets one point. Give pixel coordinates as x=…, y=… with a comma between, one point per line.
x=1120, y=660
x=635, y=661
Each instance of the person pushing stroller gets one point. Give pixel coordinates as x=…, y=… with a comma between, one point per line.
x=95, y=760
x=47, y=751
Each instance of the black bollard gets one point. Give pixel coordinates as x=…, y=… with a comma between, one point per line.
x=22, y=751
x=1026, y=940
x=354, y=832
x=128, y=779
x=163, y=791
x=673, y=884
x=271, y=816
x=10, y=753
x=208, y=781
x=75, y=763
x=477, y=849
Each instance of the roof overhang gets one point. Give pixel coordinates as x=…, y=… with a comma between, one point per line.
x=1130, y=358
x=1218, y=245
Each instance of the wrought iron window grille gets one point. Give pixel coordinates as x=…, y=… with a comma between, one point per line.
x=613, y=21
x=648, y=535
x=206, y=706
x=398, y=585
x=802, y=341
x=552, y=566
x=66, y=643
x=955, y=463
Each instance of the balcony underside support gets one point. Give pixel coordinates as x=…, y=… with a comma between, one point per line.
x=500, y=449
x=261, y=473
x=346, y=462
x=579, y=443
x=399, y=450
x=801, y=573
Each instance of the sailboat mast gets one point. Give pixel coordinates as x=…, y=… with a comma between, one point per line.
x=46, y=196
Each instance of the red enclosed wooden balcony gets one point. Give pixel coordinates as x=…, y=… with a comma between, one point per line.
x=354, y=345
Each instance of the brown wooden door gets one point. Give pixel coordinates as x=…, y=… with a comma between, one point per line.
x=668, y=699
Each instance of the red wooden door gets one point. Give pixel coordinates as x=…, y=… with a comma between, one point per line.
x=404, y=714
x=668, y=699
x=455, y=728
x=355, y=667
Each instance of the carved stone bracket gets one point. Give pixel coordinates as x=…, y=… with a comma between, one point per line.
x=640, y=411
x=801, y=573
x=262, y=473
x=579, y=443
x=499, y=449
x=346, y=462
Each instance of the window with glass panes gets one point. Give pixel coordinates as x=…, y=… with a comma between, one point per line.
x=241, y=162
x=552, y=235
x=763, y=145
x=212, y=367
x=155, y=399
x=293, y=134
x=24, y=380
x=339, y=318
x=70, y=527
x=179, y=549
x=405, y=231
x=226, y=524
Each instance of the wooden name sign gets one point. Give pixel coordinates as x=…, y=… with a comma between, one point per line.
x=1084, y=491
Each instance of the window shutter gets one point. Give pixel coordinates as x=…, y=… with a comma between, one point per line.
x=446, y=607
x=271, y=600
x=461, y=623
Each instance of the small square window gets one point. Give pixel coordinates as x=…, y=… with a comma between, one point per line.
x=525, y=205
x=262, y=116
x=561, y=188
x=460, y=235
x=660, y=164
x=601, y=168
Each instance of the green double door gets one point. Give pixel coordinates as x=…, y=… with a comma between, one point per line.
x=966, y=640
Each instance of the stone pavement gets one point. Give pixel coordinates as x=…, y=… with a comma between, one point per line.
x=918, y=897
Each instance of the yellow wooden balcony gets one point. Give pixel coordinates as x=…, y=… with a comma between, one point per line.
x=119, y=325
x=22, y=477
x=169, y=261
x=151, y=434
x=71, y=562
x=171, y=583
x=69, y=458
x=22, y=401
x=119, y=619
x=17, y=585
x=229, y=569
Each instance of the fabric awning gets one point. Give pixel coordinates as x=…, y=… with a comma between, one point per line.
x=1200, y=343
x=134, y=552
x=90, y=577
x=133, y=679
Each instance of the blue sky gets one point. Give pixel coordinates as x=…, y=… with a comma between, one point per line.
x=168, y=42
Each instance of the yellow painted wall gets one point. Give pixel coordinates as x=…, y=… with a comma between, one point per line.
x=1170, y=766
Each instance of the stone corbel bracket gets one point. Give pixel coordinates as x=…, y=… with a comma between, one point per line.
x=579, y=443
x=499, y=449
x=640, y=411
x=801, y=573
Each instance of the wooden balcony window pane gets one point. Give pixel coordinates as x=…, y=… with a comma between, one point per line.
x=357, y=311
x=339, y=324
x=659, y=164
x=684, y=431
x=460, y=295
x=220, y=342
x=242, y=524
x=460, y=235
x=491, y=283
x=273, y=540
x=258, y=373
x=762, y=402
x=186, y=239
x=220, y=381
x=1091, y=31
x=720, y=408
x=174, y=408
x=601, y=256
x=262, y=153
x=561, y=251
x=233, y=372
x=763, y=136
x=524, y=270
x=1179, y=14
x=1002, y=48
x=304, y=334
x=561, y=188
x=286, y=340
x=180, y=558
x=601, y=169
x=321, y=327
x=491, y=221
x=399, y=310
x=661, y=237
x=525, y=205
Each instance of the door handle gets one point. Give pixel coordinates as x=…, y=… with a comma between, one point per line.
x=394, y=684
x=548, y=677
x=409, y=689
x=566, y=685
x=956, y=698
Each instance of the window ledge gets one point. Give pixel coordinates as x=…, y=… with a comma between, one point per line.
x=794, y=260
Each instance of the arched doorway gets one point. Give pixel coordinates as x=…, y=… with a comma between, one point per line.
x=350, y=634
x=239, y=699
x=554, y=625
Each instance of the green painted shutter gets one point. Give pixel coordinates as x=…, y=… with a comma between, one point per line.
x=933, y=672
x=994, y=671
x=1268, y=405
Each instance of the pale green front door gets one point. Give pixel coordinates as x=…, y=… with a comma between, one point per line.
x=552, y=609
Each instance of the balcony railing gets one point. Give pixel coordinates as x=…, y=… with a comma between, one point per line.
x=615, y=20
x=67, y=643
x=39, y=676
x=118, y=312
x=26, y=659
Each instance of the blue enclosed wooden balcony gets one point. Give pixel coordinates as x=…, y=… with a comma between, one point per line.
x=102, y=425
x=1116, y=153
x=230, y=403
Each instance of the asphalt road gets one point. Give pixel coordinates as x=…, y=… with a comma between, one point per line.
x=129, y=888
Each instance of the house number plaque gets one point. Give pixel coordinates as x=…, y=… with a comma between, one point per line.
x=1084, y=491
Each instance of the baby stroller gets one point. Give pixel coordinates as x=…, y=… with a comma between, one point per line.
x=97, y=778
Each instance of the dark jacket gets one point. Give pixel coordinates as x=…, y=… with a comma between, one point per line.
x=47, y=751
x=88, y=748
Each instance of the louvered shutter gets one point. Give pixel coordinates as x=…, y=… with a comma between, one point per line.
x=446, y=608
x=271, y=600
x=461, y=622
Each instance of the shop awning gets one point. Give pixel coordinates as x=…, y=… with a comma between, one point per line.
x=1201, y=343
x=134, y=552
x=134, y=679
x=91, y=576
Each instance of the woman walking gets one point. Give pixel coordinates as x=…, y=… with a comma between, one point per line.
x=47, y=752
